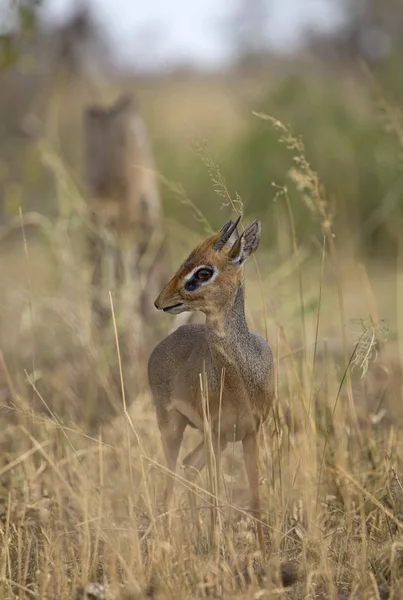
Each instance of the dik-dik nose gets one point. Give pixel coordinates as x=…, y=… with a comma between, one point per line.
x=156, y=304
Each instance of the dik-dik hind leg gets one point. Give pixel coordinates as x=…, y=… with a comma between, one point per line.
x=172, y=427
x=251, y=456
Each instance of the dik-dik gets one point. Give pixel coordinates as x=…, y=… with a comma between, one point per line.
x=125, y=207
x=238, y=364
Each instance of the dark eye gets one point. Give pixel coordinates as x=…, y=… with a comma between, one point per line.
x=198, y=278
x=203, y=274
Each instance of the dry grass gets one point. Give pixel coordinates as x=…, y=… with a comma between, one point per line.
x=81, y=478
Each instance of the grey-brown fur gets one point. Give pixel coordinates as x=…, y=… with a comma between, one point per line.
x=223, y=345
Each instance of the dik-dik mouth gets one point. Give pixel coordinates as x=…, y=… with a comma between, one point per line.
x=174, y=309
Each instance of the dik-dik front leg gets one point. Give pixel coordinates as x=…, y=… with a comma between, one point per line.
x=172, y=426
x=251, y=456
x=194, y=462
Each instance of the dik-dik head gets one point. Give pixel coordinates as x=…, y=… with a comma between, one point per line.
x=209, y=278
x=106, y=132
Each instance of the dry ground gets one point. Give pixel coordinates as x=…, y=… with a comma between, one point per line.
x=81, y=479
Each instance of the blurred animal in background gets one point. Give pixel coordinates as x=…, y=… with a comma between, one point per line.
x=126, y=242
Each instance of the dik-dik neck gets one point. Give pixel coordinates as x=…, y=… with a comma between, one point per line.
x=228, y=335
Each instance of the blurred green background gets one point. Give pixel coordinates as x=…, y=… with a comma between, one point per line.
x=340, y=91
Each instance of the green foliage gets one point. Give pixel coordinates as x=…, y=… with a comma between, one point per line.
x=25, y=15
x=28, y=16
x=357, y=158
x=8, y=51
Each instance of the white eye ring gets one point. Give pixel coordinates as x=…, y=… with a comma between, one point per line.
x=194, y=271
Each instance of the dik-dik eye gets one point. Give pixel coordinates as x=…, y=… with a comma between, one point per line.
x=203, y=274
x=199, y=276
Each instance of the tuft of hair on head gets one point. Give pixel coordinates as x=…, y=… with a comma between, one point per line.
x=226, y=232
x=246, y=244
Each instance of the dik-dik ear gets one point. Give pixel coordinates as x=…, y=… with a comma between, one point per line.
x=246, y=244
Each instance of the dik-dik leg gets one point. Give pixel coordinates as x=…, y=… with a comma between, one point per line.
x=195, y=461
x=193, y=464
x=251, y=456
x=172, y=426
